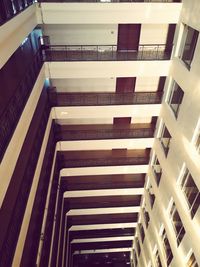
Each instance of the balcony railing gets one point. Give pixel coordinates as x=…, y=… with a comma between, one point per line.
x=11, y=8
x=91, y=158
x=103, y=132
x=12, y=113
x=112, y=1
x=101, y=99
x=105, y=53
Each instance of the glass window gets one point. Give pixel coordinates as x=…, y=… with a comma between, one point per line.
x=191, y=192
x=137, y=246
x=189, y=41
x=141, y=230
x=192, y=261
x=157, y=170
x=175, y=99
x=146, y=217
x=197, y=144
x=151, y=196
x=177, y=223
x=167, y=248
x=157, y=259
x=165, y=139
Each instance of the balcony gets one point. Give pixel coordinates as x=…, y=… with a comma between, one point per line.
x=102, y=99
x=105, y=53
x=11, y=114
x=73, y=159
x=99, y=131
x=9, y=8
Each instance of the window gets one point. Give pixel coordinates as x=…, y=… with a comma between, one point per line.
x=191, y=192
x=177, y=223
x=151, y=196
x=141, y=230
x=157, y=170
x=157, y=259
x=167, y=248
x=197, y=144
x=192, y=261
x=146, y=217
x=189, y=41
x=175, y=99
x=165, y=139
x=137, y=245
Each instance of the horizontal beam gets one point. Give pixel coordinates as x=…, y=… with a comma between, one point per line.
x=95, y=69
x=110, y=250
x=97, y=211
x=110, y=13
x=107, y=192
x=103, y=239
x=102, y=226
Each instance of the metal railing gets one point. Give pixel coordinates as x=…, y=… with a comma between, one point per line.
x=105, y=53
x=101, y=99
x=10, y=242
x=112, y=133
x=12, y=112
x=11, y=8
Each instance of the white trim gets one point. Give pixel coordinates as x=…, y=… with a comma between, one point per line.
x=102, y=239
x=109, y=250
x=96, y=211
x=102, y=226
x=104, y=192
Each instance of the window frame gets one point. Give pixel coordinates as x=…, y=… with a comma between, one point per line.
x=181, y=232
x=175, y=86
x=168, y=258
x=156, y=174
x=189, y=258
x=183, y=181
x=184, y=44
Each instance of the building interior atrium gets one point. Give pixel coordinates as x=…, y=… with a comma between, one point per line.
x=99, y=133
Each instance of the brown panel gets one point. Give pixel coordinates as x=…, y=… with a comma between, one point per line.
x=125, y=85
x=87, y=154
x=128, y=36
x=102, y=182
x=170, y=37
x=161, y=83
x=122, y=121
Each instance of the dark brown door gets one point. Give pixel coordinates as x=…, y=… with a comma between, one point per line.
x=128, y=36
x=125, y=85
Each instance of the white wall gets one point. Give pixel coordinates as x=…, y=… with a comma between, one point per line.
x=182, y=148
x=85, y=85
x=112, y=13
x=63, y=70
x=85, y=34
x=153, y=33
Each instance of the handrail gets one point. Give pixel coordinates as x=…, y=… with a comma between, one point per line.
x=105, y=52
x=99, y=99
